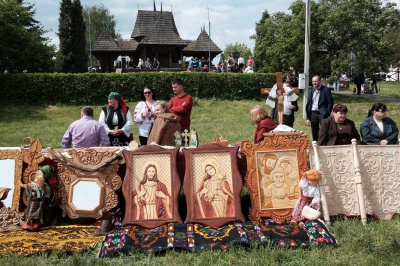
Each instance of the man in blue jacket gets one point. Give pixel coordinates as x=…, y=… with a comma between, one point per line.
x=319, y=105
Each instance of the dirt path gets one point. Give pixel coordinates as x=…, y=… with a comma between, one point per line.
x=375, y=96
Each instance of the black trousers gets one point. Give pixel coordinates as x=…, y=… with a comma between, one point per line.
x=316, y=120
x=143, y=140
x=358, y=88
x=288, y=120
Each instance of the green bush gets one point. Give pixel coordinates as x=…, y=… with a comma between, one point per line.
x=80, y=89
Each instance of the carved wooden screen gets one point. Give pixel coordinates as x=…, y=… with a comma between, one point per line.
x=380, y=171
x=338, y=178
x=274, y=168
x=360, y=179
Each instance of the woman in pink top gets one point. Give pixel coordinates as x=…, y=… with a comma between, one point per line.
x=250, y=61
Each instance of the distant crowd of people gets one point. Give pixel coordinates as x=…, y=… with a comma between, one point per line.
x=228, y=65
x=148, y=64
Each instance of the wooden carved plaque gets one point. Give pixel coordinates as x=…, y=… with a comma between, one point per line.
x=274, y=168
x=151, y=186
x=88, y=180
x=212, y=185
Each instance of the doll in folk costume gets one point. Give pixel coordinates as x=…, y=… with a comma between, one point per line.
x=37, y=192
x=310, y=194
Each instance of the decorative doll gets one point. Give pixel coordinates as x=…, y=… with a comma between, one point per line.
x=310, y=194
x=37, y=192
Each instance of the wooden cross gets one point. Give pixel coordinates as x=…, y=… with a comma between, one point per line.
x=279, y=95
x=267, y=90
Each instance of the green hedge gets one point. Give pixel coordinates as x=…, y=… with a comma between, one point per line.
x=82, y=89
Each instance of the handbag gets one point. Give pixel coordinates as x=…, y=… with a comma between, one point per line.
x=310, y=213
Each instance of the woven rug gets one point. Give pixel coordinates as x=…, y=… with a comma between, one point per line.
x=70, y=238
x=195, y=237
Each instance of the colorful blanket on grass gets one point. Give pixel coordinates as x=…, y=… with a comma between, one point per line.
x=72, y=238
x=194, y=237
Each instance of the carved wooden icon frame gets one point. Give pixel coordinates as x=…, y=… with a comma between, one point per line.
x=160, y=205
x=10, y=218
x=274, y=168
x=88, y=180
x=212, y=185
x=16, y=155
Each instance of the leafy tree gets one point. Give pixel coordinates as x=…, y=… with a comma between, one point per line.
x=98, y=18
x=22, y=45
x=240, y=48
x=73, y=53
x=339, y=28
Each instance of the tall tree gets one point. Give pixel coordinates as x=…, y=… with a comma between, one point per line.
x=339, y=29
x=73, y=53
x=23, y=46
x=98, y=18
x=240, y=48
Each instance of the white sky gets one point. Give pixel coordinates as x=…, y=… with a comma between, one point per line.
x=231, y=20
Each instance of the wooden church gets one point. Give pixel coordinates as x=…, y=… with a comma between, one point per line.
x=154, y=35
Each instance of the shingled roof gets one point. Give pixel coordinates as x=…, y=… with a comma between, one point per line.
x=202, y=44
x=156, y=27
x=105, y=42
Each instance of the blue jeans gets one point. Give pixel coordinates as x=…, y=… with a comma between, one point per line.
x=336, y=85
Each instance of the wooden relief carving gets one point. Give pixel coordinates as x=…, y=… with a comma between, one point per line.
x=274, y=168
x=212, y=185
x=338, y=178
x=32, y=157
x=9, y=219
x=88, y=180
x=220, y=141
x=151, y=186
x=380, y=168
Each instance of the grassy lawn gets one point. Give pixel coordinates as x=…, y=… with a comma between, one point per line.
x=378, y=243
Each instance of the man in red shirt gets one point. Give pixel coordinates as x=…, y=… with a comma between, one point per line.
x=181, y=104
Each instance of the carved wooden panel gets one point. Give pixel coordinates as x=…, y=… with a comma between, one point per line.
x=88, y=180
x=32, y=157
x=274, y=167
x=338, y=178
x=380, y=171
x=212, y=185
x=16, y=156
x=151, y=186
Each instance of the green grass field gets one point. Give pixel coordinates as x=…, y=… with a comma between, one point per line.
x=377, y=243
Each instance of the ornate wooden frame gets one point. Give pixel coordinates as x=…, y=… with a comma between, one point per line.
x=285, y=146
x=166, y=206
x=98, y=166
x=201, y=207
x=10, y=219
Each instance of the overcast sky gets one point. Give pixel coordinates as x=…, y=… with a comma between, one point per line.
x=231, y=20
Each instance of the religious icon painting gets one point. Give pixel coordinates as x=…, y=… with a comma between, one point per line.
x=151, y=187
x=212, y=185
x=274, y=169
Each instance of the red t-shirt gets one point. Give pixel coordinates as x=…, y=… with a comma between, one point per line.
x=182, y=107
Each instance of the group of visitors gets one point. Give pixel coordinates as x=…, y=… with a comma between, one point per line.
x=198, y=63
x=158, y=121
x=376, y=129
x=225, y=66
x=148, y=64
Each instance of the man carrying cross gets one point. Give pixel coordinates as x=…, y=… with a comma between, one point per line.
x=283, y=101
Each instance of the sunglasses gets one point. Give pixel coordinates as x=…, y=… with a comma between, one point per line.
x=147, y=92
